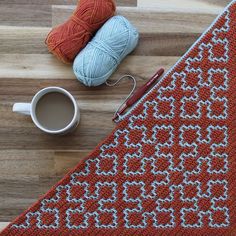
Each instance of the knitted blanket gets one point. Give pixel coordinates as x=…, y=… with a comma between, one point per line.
x=169, y=166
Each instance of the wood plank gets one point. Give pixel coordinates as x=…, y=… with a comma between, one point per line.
x=18, y=193
x=43, y=163
x=30, y=40
x=23, y=39
x=63, y=2
x=194, y=5
x=39, y=66
x=148, y=21
x=130, y=3
x=161, y=33
x=25, y=15
x=217, y=2
x=27, y=174
x=200, y=6
x=39, y=2
x=36, y=13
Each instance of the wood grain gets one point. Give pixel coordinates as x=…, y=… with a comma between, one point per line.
x=148, y=21
x=161, y=33
x=42, y=163
x=25, y=15
x=17, y=201
x=36, y=12
x=194, y=6
x=63, y=2
x=23, y=39
x=27, y=66
x=40, y=169
x=222, y=3
x=39, y=2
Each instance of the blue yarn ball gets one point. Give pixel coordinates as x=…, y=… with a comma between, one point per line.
x=100, y=58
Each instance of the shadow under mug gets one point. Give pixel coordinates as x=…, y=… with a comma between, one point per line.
x=30, y=109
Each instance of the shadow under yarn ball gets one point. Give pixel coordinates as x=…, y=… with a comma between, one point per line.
x=100, y=58
x=67, y=40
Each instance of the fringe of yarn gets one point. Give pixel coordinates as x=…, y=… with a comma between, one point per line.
x=67, y=40
x=100, y=58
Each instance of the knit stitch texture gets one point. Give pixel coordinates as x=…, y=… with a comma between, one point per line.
x=168, y=168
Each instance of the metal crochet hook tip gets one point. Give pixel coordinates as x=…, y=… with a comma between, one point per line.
x=133, y=98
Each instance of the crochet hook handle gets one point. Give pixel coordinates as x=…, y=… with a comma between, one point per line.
x=139, y=93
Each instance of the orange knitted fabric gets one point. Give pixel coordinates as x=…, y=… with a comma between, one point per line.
x=67, y=40
x=168, y=168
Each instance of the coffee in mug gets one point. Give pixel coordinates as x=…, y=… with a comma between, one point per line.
x=53, y=110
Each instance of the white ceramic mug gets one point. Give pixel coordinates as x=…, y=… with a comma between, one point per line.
x=30, y=109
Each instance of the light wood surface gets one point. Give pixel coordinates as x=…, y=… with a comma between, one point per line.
x=197, y=6
x=27, y=66
x=30, y=161
x=36, y=12
x=63, y=2
x=25, y=40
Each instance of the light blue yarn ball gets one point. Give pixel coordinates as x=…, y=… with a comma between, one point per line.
x=100, y=58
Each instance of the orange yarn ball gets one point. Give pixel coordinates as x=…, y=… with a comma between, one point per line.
x=67, y=40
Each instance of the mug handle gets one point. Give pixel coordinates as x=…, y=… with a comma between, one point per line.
x=22, y=108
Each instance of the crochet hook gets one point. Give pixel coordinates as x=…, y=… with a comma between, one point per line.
x=139, y=93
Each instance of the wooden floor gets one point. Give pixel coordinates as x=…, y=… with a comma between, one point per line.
x=30, y=161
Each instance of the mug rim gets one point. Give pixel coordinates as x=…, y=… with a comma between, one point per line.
x=39, y=95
